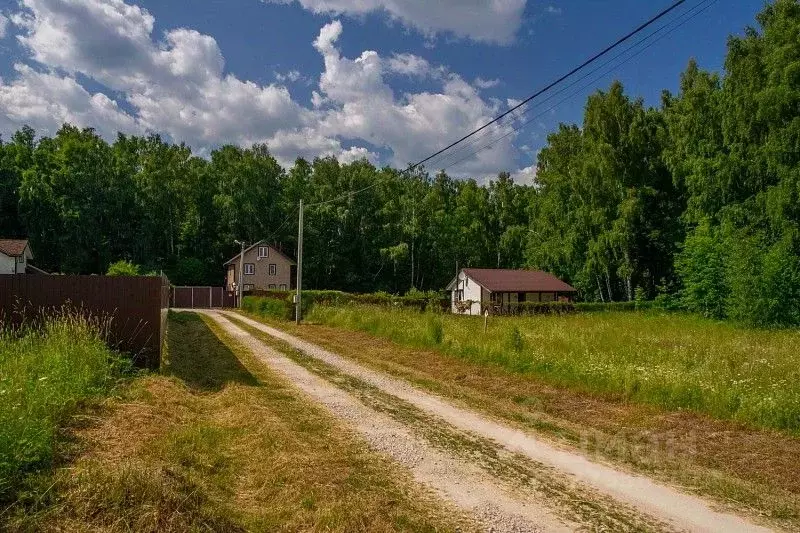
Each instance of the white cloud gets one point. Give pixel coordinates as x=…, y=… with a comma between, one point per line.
x=409, y=65
x=355, y=153
x=481, y=83
x=363, y=106
x=177, y=85
x=46, y=100
x=3, y=26
x=553, y=10
x=292, y=76
x=525, y=176
x=492, y=21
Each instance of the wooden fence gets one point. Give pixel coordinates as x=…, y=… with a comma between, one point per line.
x=201, y=298
x=135, y=306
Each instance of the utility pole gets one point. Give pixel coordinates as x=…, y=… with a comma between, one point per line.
x=298, y=297
x=240, y=285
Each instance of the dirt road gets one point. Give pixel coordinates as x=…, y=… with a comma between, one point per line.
x=507, y=479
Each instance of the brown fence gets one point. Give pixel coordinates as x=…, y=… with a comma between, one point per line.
x=136, y=306
x=201, y=298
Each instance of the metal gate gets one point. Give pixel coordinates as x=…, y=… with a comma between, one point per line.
x=202, y=298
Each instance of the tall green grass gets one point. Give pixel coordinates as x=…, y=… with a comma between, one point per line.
x=674, y=361
x=45, y=372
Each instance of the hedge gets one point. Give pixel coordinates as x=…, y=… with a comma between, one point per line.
x=280, y=304
x=616, y=306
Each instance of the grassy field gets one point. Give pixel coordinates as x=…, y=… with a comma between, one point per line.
x=45, y=372
x=668, y=360
x=219, y=443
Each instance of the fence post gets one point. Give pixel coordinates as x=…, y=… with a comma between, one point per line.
x=192, y=289
x=210, y=301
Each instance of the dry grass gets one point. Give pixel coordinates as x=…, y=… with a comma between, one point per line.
x=219, y=443
x=753, y=471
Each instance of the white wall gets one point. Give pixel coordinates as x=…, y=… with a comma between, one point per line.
x=7, y=264
x=472, y=291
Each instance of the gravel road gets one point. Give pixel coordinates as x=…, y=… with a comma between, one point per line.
x=456, y=481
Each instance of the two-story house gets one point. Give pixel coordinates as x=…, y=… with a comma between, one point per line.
x=265, y=267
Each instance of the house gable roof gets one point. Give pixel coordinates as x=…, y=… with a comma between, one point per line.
x=507, y=280
x=260, y=243
x=15, y=247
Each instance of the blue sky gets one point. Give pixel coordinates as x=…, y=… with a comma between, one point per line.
x=391, y=80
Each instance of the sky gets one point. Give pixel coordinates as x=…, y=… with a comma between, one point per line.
x=389, y=80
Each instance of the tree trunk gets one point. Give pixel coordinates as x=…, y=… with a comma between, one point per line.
x=600, y=288
x=608, y=286
x=412, y=263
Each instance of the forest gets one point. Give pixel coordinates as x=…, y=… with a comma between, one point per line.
x=695, y=201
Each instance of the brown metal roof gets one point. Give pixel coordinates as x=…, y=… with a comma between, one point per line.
x=13, y=247
x=506, y=280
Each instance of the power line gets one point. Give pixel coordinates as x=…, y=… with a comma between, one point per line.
x=580, y=89
x=286, y=221
x=488, y=133
x=589, y=61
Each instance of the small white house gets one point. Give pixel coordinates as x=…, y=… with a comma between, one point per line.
x=475, y=289
x=14, y=256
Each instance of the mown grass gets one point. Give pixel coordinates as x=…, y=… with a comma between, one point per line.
x=220, y=443
x=672, y=361
x=46, y=371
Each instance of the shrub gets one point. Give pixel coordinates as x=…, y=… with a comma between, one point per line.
x=421, y=301
x=270, y=307
x=123, y=268
x=607, y=306
x=764, y=281
x=701, y=267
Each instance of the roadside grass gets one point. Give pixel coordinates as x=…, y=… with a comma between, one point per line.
x=672, y=361
x=574, y=502
x=47, y=371
x=219, y=443
x=746, y=469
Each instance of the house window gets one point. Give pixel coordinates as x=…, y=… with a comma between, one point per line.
x=20, y=259
x=263, y=251
x=271, y=286
x=273, y=269
x=248, y=287
x=283, y=286
x=249, y=269
x=459, y=295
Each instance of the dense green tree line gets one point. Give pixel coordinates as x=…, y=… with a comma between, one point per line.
x=696, y=201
